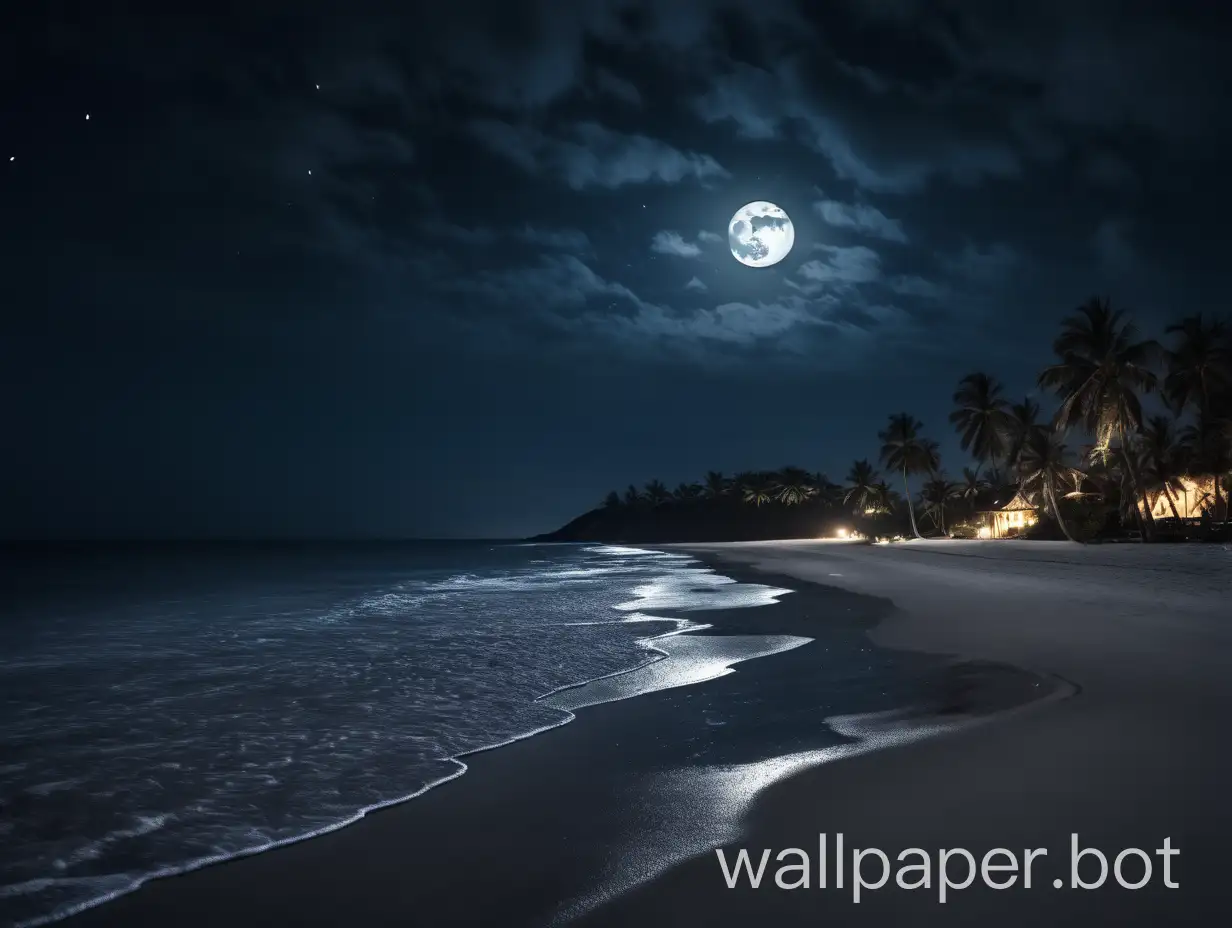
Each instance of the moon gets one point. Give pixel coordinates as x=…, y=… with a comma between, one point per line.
x=760, y=234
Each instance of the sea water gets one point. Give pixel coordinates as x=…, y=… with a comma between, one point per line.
x=166, y=707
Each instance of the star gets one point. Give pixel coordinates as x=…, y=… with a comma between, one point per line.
x=318, y=86
x=309, y=173
x=12, y=157
x=87, y=117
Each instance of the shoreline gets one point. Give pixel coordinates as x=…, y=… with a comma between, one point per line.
x=259, y=879
x=555, y=699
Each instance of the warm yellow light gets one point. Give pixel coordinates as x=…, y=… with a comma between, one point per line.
x=841, y=533
x=985, y=532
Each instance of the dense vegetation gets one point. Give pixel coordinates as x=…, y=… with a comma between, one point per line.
x=1102, y=372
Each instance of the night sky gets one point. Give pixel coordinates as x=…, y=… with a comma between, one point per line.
x=459, y=271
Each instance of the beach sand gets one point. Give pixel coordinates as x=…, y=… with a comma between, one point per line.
x=609, y=820
x=1139, y=755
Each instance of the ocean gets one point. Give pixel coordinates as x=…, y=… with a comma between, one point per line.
x=166, y=707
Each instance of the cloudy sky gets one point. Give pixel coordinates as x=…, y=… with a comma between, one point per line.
x=461, y=270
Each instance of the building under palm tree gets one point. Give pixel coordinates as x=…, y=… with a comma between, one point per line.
x=1006, y=514
x=1183, y=497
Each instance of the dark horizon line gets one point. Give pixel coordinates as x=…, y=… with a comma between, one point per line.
x=259, y=540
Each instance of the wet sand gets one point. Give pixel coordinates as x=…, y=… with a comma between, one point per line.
x=1138, y=755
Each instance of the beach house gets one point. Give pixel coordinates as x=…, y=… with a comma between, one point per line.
x=1007, y=514
x=1185, y=500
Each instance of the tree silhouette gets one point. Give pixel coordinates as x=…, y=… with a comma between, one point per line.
x=1102, y=369
x=981, y=416
x=903, y=450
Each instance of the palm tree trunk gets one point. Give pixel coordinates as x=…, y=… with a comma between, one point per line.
x=1171, y=503
x=1056, y=511
x=1135, y=481
x=910, y=506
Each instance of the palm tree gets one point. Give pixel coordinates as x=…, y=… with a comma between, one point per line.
x=1103, y=479
x=862, y=492
x=759, y=488
x=612, y=500
x=715, y=484
x=903, y=450
x=1200, y=376
x=981, y=417
x=1200, y=367
x=793, y=485
x=632, y=496
x=994, y=478
x=887, y=500
x=686, y=492
x=744, y=479
x=1044, y=471
x=971, y=486
x=1159, y=460
x=935, y=493
x=827, y=491
x=1102, y=368
x=1208, y=446
x=1021, y=420
x=656, y=493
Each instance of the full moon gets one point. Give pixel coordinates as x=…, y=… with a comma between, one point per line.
x=760, y=234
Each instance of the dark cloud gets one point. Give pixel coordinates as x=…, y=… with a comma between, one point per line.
x=983, y=263
x=672, y=243
x=555, y=282
x=574, y=240
x=590, y=155
x=1107, y=169
x=912, y=285
x=860, y=217
x=738, y=323
x=618, y=87
x=853, y=265
x=788, y=101
x=1112, y=246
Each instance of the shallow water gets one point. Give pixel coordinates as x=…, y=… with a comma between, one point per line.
x=165, y=708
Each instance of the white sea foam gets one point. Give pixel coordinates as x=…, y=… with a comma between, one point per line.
x=688, y=659
x=699, y=588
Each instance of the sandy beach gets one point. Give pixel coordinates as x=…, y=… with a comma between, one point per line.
x=613, y=820
x=1137, y=756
